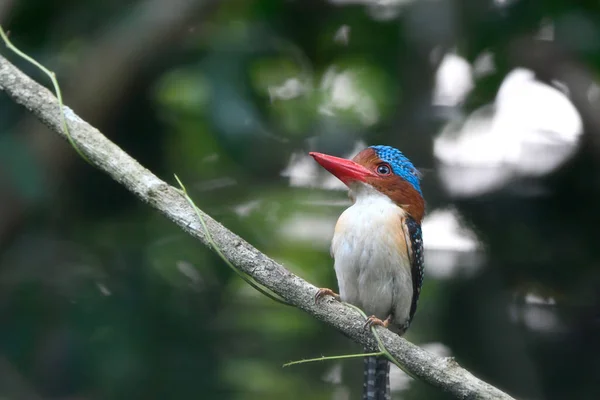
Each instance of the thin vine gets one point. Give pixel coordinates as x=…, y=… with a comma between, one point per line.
x=57, y=91
x=267, y=292
x=327, y=358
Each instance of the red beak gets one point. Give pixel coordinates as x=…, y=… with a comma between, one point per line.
x=345, y=170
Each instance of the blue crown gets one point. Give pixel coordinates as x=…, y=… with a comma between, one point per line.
x=401, y=165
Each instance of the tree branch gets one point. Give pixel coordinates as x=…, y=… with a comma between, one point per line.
x=444, y=373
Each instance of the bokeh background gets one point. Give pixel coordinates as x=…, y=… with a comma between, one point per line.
x=497, y=102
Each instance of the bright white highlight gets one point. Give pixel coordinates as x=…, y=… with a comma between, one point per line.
x=445, y=232
x=450, y=247
x=453, y=81
x=343, y=94
x=530, y=130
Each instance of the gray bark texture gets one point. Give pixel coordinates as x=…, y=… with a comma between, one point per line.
x=444, y=373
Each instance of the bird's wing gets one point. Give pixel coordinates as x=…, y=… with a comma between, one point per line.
x=414, y=241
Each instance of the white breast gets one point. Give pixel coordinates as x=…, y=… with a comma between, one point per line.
x=371, y=256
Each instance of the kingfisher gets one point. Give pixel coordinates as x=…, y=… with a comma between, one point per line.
x=377, y=246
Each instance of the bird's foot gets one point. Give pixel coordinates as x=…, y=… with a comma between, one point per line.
x=326, y=292
x=373, y=320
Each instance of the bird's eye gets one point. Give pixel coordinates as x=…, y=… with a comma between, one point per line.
x=383, y=169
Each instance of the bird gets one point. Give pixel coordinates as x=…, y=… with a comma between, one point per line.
x=377, y=246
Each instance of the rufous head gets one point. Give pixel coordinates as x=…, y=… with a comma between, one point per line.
x=384, y=168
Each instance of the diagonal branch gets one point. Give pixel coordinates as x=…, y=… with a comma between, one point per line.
x=444, y=373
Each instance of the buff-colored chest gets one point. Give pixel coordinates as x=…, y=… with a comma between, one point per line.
x=371, y=254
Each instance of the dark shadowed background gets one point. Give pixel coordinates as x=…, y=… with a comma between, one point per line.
x=497, y=102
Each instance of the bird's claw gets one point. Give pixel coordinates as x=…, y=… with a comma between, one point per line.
x=373, y=320
x=326, y=292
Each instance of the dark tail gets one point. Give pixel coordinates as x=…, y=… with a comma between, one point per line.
x=377, y=379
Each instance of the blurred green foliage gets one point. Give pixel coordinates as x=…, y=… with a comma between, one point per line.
x=102, y=298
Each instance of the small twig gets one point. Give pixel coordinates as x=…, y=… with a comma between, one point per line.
x=270, y=294
x=382, y=350
x=57, y=91
x=324, y=358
